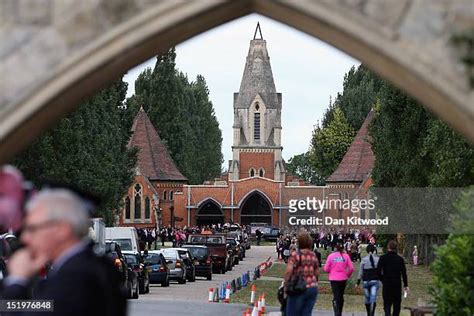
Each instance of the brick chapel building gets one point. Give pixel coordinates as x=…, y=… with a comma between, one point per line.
x=257, y=187
x=149, y=200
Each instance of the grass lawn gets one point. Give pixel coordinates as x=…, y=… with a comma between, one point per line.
x=419, y=279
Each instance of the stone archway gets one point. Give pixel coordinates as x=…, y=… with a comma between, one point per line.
x=209, y=213
x=61, y=52
x=255, y=208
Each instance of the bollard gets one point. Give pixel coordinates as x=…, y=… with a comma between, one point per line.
x=252, y=294
x=216, y=295
x=211, y=295
x=255, y=310
x=227, y=294
x=262, y=308
x=239, y=284
x=244, y=280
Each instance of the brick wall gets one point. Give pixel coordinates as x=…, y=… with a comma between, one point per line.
x=257, y=160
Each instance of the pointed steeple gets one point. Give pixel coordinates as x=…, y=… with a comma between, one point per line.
x=258, y=77
x=259, y=30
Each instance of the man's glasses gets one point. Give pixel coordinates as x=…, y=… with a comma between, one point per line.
x=33, y=228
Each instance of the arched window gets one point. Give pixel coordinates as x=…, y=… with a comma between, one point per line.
x=147, y=207
x=252, y=172
x=165, y=195
x=127, y=208
x=261, y=172
x=138, y=202
x=171, y=195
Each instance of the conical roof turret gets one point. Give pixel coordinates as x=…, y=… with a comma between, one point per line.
x=258, y=77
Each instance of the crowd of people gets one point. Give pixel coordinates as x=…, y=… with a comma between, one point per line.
x=303, y=256
x=150, y=237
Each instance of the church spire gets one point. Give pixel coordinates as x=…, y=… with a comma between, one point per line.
x=258, y=77
x=259, y=30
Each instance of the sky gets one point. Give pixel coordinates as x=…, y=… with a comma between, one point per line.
x=306, y=71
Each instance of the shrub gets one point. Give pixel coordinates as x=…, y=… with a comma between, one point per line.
x=453, y=282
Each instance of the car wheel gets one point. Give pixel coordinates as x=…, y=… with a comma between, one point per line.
x=209, y=277
x=192, y=278
x=129, y=290
x=142, y=288
x=183, y=280
x=166, y=283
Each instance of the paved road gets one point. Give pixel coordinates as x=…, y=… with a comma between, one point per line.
x=191, y=298
x=198, y=291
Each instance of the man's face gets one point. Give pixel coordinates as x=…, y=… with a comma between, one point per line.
x=42, y=235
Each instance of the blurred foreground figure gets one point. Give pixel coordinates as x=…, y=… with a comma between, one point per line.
x=79, y=282
x=11, y=199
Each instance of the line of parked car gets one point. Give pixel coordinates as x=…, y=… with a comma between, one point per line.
x=201, y=256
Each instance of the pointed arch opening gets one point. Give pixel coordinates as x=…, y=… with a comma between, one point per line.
x=256, y=208
x=209, y=212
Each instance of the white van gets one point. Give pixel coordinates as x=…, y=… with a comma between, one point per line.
x=97, y=234
x=126, y=237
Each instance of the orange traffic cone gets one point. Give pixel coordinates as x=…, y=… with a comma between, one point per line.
x=262, y=307
x=227, y=294
x=252, y=294
x=255, y=310
x=247, y=312
x=211, y=295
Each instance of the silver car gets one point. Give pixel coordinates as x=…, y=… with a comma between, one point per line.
x=175, y=264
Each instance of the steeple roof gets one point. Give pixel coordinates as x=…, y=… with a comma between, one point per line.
x=358, y=161
x=258, y=76
x=154, y=161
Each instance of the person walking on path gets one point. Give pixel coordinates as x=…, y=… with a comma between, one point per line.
x=391, y=271
x=415, y=256
x=340, y=268
x=303, y=263
x=258, y=234
x=370, y=279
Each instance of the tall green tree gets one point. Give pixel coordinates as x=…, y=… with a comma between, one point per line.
x=330, y=143
x=414, y=149
x=183, y=116
x=87, y=149
x=360, y=89
x=301, y=166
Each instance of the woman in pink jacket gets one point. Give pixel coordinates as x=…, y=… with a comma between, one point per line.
x=339, y=266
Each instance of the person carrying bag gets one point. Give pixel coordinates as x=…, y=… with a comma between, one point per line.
x=301, y=282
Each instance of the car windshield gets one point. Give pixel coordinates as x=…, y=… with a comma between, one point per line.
x=153, y=259
x=169, y=254
x=199, y=252
x=125, y=244
x=206, y=240
x=131, y=259
x=183, y=254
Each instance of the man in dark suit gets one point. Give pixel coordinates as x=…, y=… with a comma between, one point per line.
x=391, y=271
x=79, y=282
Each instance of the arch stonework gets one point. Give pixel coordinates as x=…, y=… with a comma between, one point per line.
x=55, y=53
